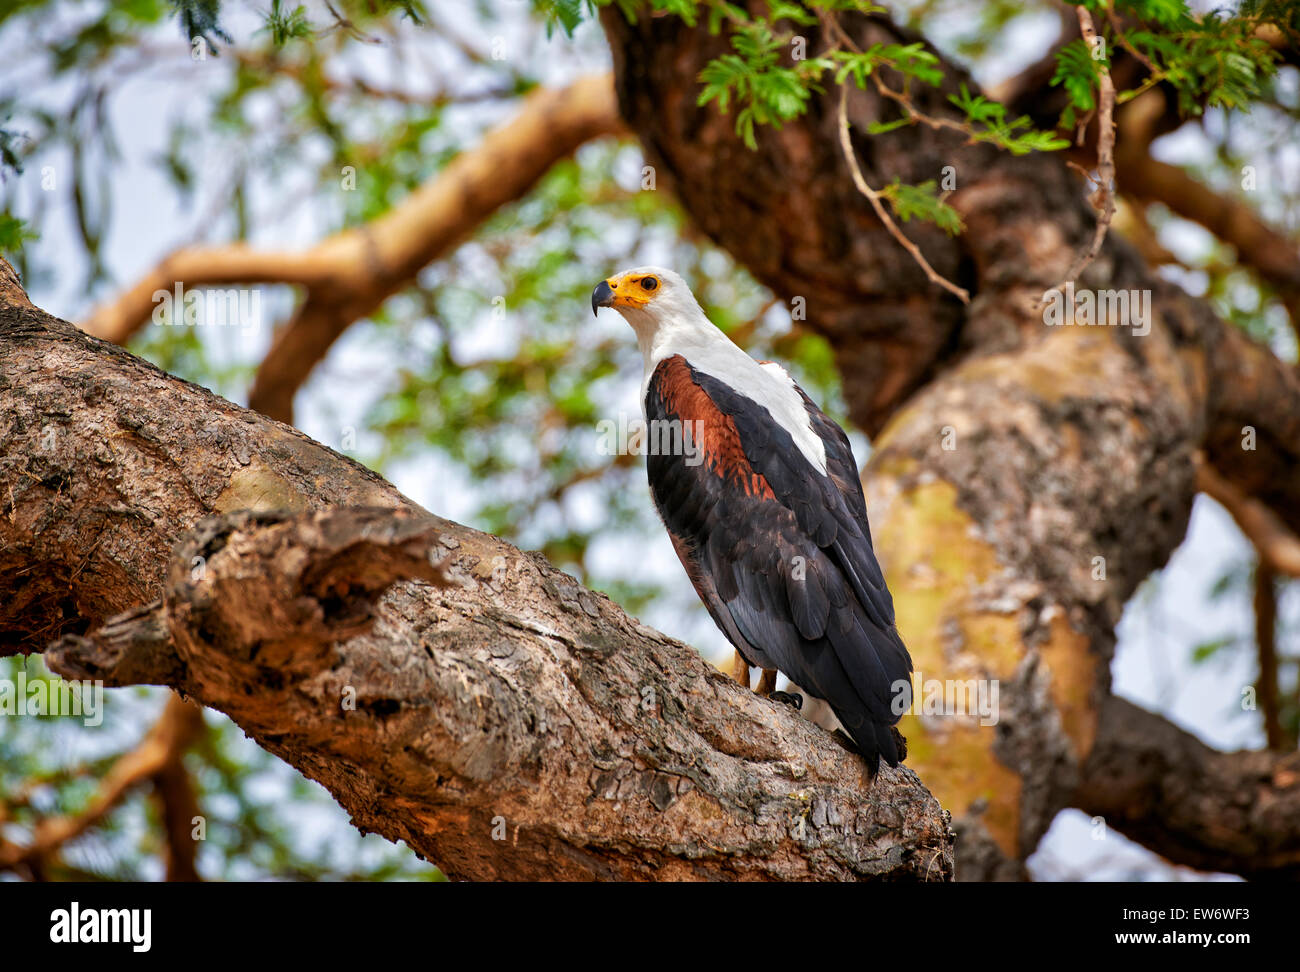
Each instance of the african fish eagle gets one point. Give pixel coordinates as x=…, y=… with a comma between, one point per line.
x=767, y=515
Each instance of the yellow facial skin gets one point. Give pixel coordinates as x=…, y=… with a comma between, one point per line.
x=633, y=289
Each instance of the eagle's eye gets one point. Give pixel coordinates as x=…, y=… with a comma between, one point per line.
x=649, y=283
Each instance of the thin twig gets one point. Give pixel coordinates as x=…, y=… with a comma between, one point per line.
x=846, y=144
x=916, y=114
x=832, y=23
x=297, y=70
x=1103, y=200
x=1124, y=42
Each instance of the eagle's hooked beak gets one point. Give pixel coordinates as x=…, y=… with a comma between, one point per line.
x=602, y=296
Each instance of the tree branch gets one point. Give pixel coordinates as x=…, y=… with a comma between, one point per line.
x=1274, y=256
x=1103, y=199
x=1236, y=812
x=350, y=274
x=178, y=806
x=160, y=750
x=1266, y=685
x=1253, y=433
x=1276, y=545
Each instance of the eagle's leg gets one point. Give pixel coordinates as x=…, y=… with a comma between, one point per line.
x=740, y=669
x=767, y=689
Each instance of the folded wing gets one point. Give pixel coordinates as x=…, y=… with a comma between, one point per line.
x=780, y=552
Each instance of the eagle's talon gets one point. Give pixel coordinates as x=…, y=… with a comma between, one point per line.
x=792, y=699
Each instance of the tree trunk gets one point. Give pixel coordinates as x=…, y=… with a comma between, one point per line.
x=1025, y=478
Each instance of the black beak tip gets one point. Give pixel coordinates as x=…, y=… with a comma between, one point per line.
x=602, y=296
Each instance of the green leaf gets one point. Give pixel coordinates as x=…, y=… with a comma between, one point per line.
x=880, y=128
x=285, y=26
x=765, y=91
x=785, y=10
x=566, y=14
x=13, y=233
x=922, y=202
x=1077, y=72
x=1208, y=649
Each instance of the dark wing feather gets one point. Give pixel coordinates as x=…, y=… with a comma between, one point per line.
x=830, y=509
x=786, y=570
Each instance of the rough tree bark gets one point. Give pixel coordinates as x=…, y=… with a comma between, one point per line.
x=1067, y=444
x=447, y=688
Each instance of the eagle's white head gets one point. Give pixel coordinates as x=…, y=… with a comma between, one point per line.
x=668, y=321
x=657, y=303
x=649, y=298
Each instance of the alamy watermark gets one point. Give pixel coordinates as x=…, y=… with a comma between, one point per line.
x=1064, y=307
x=658, y=437
x=52, y=697
x=208, y=307
x=78, y=925
x=971, y=698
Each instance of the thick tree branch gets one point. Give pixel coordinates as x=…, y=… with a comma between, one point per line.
x=272, y=581
x=1276, y=545
x=492, y=713
x=155, y=757
x=1273, y=255
x=350, y=274
x=1153, y=782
